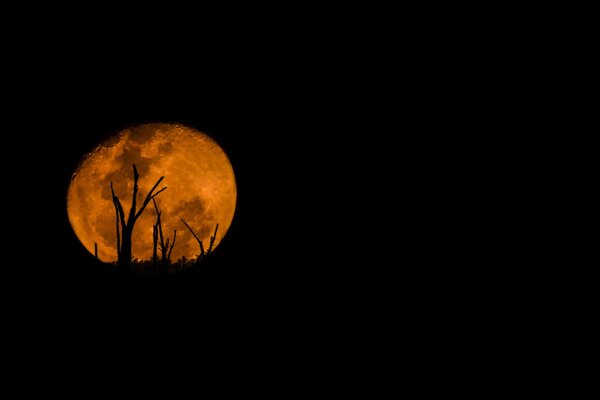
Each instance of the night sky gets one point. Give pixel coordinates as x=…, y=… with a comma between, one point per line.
x=314, y=172
x=370, y=159
x=273, y=247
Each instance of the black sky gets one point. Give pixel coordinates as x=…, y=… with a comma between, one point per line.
x=316, y=167
x=373, y=203
x=271, y=136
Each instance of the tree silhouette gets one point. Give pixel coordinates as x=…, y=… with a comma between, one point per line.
x=154, y=248
x=203, y=254
x=126, y=227
x=165, y=247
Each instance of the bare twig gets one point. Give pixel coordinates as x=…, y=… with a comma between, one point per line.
x=154, y=248
x=150, y=196
x=172, y=245
x=166, y=247
x=193, y=233
x=120, y=215
x=212, y=240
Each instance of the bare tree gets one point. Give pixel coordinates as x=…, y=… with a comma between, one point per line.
x=165, y=247
x=154, y=248
x=126, y=227
x=203, y=253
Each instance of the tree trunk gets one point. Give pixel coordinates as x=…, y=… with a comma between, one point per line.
x=165, y=264
x=125, y=258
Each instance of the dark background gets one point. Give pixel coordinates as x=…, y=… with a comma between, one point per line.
x=287, y=147
x=329, y=141
x=373, y=199
x=349, y=177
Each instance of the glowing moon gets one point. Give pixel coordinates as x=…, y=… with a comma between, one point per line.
x=200, y=182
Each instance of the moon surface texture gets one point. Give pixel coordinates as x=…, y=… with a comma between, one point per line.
x=200, y=183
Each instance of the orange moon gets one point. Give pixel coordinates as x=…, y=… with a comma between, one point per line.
x=200, y=183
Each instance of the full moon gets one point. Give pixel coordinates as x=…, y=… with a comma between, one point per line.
x=200, y=183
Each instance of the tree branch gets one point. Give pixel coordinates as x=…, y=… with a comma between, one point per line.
x=172, y=244
x=157, y=193
x=120, y=215
x=132, y=215
x=159, y=224
x=150, y=196
x=212, y=240
x=202, y=252
x=196, y=236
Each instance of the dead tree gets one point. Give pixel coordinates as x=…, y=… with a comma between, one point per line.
x=154, y=247
x=126, y=226
x=165, y=247
x=203, y=253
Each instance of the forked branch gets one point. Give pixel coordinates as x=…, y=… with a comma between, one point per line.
x=166, y=247
x=150, y=196
x=212, y=240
